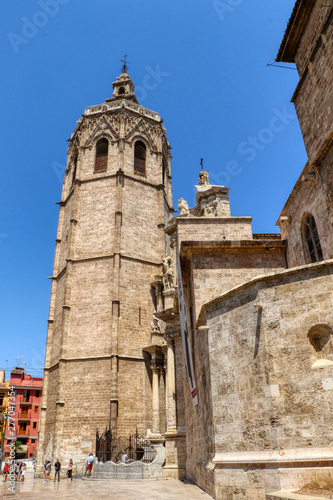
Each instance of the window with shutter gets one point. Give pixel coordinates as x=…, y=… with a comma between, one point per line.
x=101, y=160
x=140, y=158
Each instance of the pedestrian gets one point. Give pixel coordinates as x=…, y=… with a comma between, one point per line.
x=20, y=471
x=70, y=470
x=45, y=471
x=57, y=469
x=24, y=468
x=90, y=463
x=5, y=471
x=124, y=457
x=17, y=470
x=48, y=470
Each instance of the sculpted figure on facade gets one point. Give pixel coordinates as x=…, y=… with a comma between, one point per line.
x=203, y=178
x=208, y=211
x=183, y=207
x=155, y=327
x=168, y=276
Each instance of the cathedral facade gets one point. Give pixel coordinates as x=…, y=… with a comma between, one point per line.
x=231, y=364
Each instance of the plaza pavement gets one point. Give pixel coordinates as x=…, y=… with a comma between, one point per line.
x=115, y=489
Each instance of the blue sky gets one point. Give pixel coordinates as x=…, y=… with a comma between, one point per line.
x=208, y=80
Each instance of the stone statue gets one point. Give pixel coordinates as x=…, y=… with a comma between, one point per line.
x=154, y=325
x=217, y=206
x=203, y=178
x=208, y=211
x=183, y=207
x=168, y=276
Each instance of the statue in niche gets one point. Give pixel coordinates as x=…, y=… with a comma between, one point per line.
x=168, y=274
x=183, y=207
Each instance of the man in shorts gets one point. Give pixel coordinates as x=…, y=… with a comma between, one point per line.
x=90, y=462
x=57, y=468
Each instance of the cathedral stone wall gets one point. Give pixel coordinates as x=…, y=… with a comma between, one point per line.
x=72, y=421
x=309, y=196
x=269, y=389
x=310, y=35
x=134, y=406
x=88, y=335
x=313, y=96
x=214, y=229
x=140, y=202
x=215, y=273
x=55, y=345
x=134, y=324
x=63, y=236
x=96, y=221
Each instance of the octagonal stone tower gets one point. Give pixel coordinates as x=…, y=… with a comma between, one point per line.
x=116, y=201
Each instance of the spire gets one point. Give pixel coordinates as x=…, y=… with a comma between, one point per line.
x=125, y=65
x=203, y=176
x=123, y=87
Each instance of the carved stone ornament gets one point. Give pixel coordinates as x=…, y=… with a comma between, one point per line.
x=213, y=209
x=183, y=207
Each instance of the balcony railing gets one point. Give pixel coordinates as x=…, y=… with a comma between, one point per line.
x=22, y=432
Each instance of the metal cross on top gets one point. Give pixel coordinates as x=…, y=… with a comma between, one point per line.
x=125, y=65
x=201, y=163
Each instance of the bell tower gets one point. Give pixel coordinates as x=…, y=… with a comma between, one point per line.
x=116, y=201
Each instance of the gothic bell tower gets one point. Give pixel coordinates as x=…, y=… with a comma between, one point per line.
x=116, y=201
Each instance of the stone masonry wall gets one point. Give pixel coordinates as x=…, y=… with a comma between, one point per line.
x=214, y=229
x=310, y=35
x=313, y=98
x=270, y=389
x=314, y=198
x=214, y=274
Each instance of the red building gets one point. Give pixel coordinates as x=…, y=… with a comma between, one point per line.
x=23, y=416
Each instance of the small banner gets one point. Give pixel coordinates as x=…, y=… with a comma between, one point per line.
x=185, y=336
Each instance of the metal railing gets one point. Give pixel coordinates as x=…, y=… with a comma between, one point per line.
x=135, y=447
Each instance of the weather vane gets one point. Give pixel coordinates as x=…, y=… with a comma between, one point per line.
x=125, y=65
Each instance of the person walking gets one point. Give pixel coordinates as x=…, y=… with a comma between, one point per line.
x=45, y=471
x=5, y=472
x=70, y=470
x=57, y=469
x=90, y=463
x=24, y=468
x=20, y=471
x=17, y=470
x=48, y=470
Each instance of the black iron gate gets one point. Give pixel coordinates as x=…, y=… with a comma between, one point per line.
x=111, y=450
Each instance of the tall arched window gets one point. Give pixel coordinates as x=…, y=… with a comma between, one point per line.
x=140, y=157
x=101, y=160
x=311, y=239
